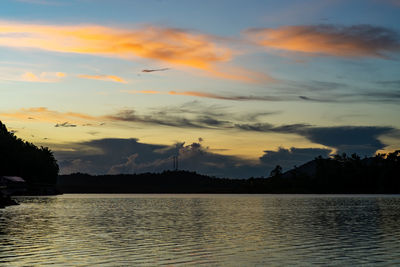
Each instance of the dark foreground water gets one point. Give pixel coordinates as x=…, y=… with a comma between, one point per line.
x=232, y=230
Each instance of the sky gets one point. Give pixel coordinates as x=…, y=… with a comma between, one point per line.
x=231, y=87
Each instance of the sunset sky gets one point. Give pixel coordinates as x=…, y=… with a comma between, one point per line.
x=233, y=87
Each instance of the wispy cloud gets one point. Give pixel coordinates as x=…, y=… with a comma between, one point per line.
x=102, y=77
x=141, y=92
x=222, y=97
x=383, y=92
x=392, y=83
x=172, y=118
x=43, y=77
x=207, y=95
x=382, y=97
x=200, y=121
x=43, y=114
x=185, y=116
x=65, y=125
x=329, y=40
x=312, y=91
x=325, y=100
x=153, y=70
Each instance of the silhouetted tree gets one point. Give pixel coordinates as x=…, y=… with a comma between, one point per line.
x=276, y=172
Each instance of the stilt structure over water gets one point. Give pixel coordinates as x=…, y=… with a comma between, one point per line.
x=8, y=186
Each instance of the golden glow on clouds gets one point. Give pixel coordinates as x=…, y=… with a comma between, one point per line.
x=111, y=78
x=42, y=77
x=43, y=114
x=169, y=45
x=184, y=93
x=142, y=92
x=60, y=74
x=352, y=41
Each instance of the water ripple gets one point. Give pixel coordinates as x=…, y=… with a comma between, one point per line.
x=211, y=230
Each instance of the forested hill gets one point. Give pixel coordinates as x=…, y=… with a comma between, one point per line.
x=346, y=174
x=36, y=165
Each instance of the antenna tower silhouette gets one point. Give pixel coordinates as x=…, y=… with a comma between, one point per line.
x=175, y=163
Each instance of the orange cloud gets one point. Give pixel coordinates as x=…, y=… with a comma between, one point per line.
x=148, y=92
x=164, y=44
x=42, y=77
x=112, y=78
x=30, y=77
x=60, y=74
x=353, y=41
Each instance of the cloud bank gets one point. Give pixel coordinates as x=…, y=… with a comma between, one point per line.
x=364, y=140
x=114, y=156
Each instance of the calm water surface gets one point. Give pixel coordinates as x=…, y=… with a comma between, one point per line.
x=232, y=230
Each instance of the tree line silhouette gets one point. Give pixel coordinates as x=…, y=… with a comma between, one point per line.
x=36, y=165
x=340, y=174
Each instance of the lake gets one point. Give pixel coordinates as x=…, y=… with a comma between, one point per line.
x=231, y=230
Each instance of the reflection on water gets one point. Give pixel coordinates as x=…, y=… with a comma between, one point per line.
x=201, y=229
